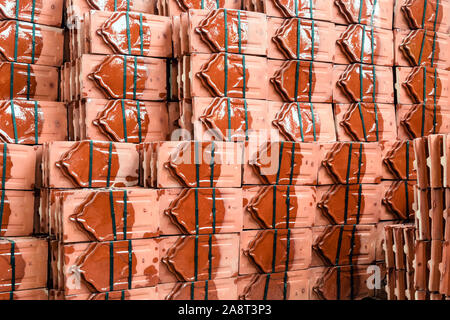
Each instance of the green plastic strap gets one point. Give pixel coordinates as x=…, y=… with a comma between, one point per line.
x=274, y=249
x=5, y=156
x=214, y=210
x=300, y=122
x=225, y=85
x=91, y=151
x=274, y=207
x=338, y=251
x=128, y=5
x=310, y=82
x=371, y=18
x=298, y=34
x=130, y=263
x=127, y=15
x=288, y=206
x=111, y=266
x=210, y=257
x=135, y=78
x=376, y=120
x=192, y=283
x=141, y=33
x=28, y=81
x=196, y=258
x=433, y=49
x=297, y=71
x=279, y=161
x=229, y=118
x=17, y=9
x=239, y=32
x=197, y=163
x=244, y=89
x=362, y=121
x=124, y=121
x=288, y=249
x=12, y=260
x=107, y=296
x=16, y=40
x=266, y=286
x=108, y=177
x=435, y=102
x=113, y=214
x=217, y=4
x=435, y=17
x=424, y=12
x=363, y=38
x=312, y=38
x=338, y=283
x=124, y=77
x=313, y=118
x=421, y=47
x=310, y=9
x=115, y=5
x=291, y=174
x=374, y=84
x=33, y=10
x=372, y=46
x=125, y=214
x=13, y=116
x=206, y=289
x=196, y=212
x=211, y=165
x=33, y=50
x=139, y=121
x=225, y=22
x=347, y=190
x=360, y=162
x=246, y=120
x=358, y=215
x=360, y=10
x=36, y=122
x=424, y=85
x=122, y=295
x=202, y=4
x=349, y=161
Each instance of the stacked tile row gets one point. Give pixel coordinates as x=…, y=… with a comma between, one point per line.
x=32, y=47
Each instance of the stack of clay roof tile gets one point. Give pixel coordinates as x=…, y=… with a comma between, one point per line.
x=114, y=82
x=431, y=214
x=401, y=262
x=31, y=52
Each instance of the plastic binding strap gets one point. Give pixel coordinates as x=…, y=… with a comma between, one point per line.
x=13, y=116
x=288, y=249
x=211, y=165
x=130, y=263
x=127, y=15
x=274, y=207
x=12, y=261
x=125, y=77
x=280, y=156
x=300, y=122
x=424, y=13
x=113, y=214
x=229, y=118
x=291, y=174
x=434, y=30
x=141, y=33
x=135, y=78
x=407, y=176
x=124, y=121
x=36, y=122
x=362, y=121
